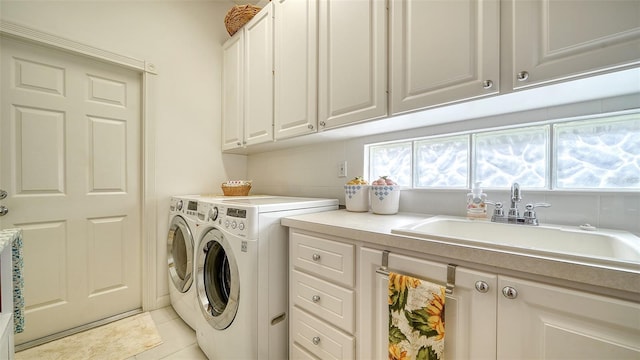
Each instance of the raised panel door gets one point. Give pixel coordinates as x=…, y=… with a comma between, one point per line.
x=258, y=81
x=443, y=51
x=540, y=321
x=71, y=164
x=232, y=92
x=561, y=39
x=295, y=66
x=352, y=60
x=470, y=319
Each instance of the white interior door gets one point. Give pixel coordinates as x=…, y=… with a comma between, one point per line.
x=70, y=163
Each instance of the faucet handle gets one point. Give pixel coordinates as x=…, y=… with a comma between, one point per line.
x=498, y=211
x=530, y=215
x=536, y=205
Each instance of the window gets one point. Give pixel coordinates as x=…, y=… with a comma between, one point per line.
x=515, y=155
x=392, y=160
x=442, y=162
x=596, y=153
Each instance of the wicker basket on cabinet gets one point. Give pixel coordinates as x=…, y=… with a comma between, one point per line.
x=238, y=16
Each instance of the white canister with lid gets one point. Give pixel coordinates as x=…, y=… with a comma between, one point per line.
x=385, y=199
x=356, y=197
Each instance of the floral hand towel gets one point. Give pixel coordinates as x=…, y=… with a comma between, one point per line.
x=416, y=319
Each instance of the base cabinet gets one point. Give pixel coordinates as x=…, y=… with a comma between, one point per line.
x=321, y=298
x=539, y=321
x=339, y=308
x=469, y=313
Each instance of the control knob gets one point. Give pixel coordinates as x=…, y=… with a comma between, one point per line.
x=213, y=213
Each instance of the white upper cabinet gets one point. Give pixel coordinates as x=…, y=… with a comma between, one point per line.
x=442, y=51
x=352, y=62
x=258, y=81
x=232, y=104
x=247, y=90
x=560, y=39
x=296, y=67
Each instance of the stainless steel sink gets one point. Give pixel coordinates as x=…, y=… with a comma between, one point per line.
x=559, y=241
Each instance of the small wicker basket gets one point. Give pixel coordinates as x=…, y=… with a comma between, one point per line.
x=238, y=16
x=242, y=190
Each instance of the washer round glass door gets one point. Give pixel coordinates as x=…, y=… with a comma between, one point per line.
x=180, y=254
x=218, y=282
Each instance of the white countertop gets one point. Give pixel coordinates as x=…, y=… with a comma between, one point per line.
x=7, y=236
x=620, y=281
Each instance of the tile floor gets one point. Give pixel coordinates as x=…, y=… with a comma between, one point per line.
x=178, y=339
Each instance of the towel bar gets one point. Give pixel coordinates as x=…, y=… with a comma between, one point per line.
x=451, y=272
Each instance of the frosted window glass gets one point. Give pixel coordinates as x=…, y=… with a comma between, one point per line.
x=392, y=160
x=442, y=162
x=508, y=156
x=598, y=154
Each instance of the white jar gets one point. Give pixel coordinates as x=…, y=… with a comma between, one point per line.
x=385, y=199
x=356, y=197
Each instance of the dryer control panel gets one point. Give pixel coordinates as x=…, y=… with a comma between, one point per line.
x=238, y=220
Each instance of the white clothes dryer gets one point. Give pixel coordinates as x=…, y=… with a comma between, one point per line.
x=241, y=276
x=181, y=242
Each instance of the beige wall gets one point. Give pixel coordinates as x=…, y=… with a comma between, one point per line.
x=182, y=39
x=312, y=171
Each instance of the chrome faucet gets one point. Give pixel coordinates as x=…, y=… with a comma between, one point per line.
x=516, y=196
x=529, y=217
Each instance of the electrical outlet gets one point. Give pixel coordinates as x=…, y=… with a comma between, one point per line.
x=342, y=169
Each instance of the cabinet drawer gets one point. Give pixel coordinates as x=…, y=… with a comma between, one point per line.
x=320, y=339
x=329, y=259
x=327, y=301
x=299, y=353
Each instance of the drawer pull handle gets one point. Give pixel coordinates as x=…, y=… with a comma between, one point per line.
x=522, y=76
x=482, y=286
x=316, y=257
x=315, y=298
x=509, y=292
x=316, y=340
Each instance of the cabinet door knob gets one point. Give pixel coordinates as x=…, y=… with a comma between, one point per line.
x=310, y=127
x=509, y=292
x=487, y=84
x=315, y=257
x=323, y=124
x=315, y=298
x=523, y=75
x=316, y=340
x=482, y=286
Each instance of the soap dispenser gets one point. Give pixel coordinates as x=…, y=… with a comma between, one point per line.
x=476, y=207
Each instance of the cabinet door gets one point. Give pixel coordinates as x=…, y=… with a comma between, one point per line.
x=232, y=92
x=258, y=82
x=443, y=51
x=559, y=39
x=296, y=69
x=352, y=62
x=470, y=318
x=547, y=322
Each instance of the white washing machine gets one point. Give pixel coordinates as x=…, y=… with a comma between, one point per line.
x=181, y=242
x=241, y=276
